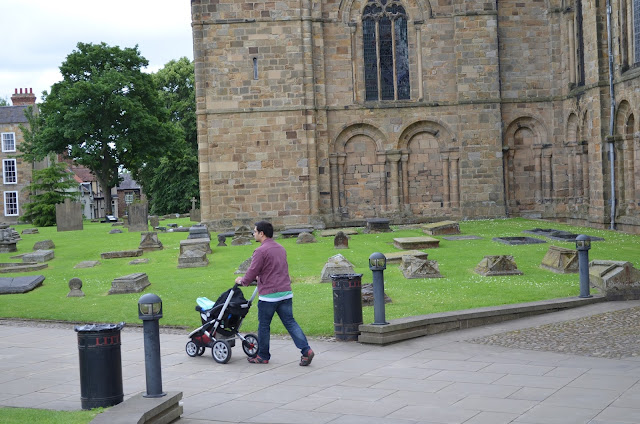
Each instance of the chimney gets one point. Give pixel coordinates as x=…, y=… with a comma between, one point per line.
x=23, y=99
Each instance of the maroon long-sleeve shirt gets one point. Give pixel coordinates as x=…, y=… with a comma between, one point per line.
x=269, y=267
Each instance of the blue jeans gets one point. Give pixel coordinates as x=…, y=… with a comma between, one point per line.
x=284, y=308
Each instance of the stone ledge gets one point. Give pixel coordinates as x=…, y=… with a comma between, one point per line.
x=141, y=410
x=424, y=325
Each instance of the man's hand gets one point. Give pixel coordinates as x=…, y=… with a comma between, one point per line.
x=239, y=280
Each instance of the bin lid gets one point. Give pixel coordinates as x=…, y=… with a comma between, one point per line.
x=99, y=327
x=344, y=276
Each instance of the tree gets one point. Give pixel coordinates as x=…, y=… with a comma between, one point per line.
x=172, y=179
x=105, y=114
x=4, y=102
x=49, y=186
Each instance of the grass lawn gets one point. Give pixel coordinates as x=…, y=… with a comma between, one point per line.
x=25, y=415
x=460, y=288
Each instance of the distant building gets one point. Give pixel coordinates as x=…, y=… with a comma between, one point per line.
x=127, y=192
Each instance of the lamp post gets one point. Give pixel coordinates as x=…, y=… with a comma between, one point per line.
x=583, y=244
x=377, y=264
x=150, y=312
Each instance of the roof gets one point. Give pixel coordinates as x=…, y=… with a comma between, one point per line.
x=83, y=173
x=13, y=114
x=128, y=183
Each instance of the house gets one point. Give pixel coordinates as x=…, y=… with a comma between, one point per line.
x=127, y=192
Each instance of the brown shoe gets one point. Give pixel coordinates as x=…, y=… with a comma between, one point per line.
x=306, y=360
x=257, y=360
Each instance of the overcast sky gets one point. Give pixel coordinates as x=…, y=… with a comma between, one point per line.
x=37, y=35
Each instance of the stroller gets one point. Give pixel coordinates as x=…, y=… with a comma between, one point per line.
x=221, y=322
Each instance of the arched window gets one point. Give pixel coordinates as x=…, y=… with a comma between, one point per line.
x=386, y=50
x=636, y=30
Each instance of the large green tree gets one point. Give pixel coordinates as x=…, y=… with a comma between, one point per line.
x=48, y=187
x=105, y=114
x=171, y=180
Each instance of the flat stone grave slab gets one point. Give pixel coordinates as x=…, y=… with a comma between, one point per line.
x=515, y=241
x=559, y=235
x=459, y=238
x=131, y=283
x=378, y=225
x=396, y=257
x=38, y=256
x=415, y=243
x=30, y=231
x=333, y=232
x=139, y=261
x=228, y=234
x=13, y=285
x=87, y=264
x=6, y=268
x=295, y=232
x=195, y=244
x=441, y=228
x=121, y=254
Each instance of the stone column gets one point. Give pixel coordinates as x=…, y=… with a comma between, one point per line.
x=335, y=188
x=393, y=157
x=537, y=155
x=572, y=50
x=571, y=185
x=419, y=55
x=508, y=177
x=405, y=179
x=342, y=157
x=548, y=174
x=455, y=186
x=585, y=172
x=384, y=183
x=445, y=180
x=629, y=162
x=354, y=60
x=636, y=168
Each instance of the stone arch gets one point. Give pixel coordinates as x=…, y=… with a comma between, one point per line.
x=351, y=130
x=625, y=164
x=351, y=10
x=622, y=117
x=527, y=165
x=572, y=128
x=428, y=172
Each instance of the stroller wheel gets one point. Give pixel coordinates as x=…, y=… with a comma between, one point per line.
x=192, y=349
x=221, y=351
x=200, y=351
x=250, y=345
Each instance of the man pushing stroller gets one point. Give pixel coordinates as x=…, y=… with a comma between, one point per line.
x=270, y=268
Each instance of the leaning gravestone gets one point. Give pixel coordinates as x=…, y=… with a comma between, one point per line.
x=132, y=283
x=367, y=295
x=244, y=266
x=75, y=288
x=138, y=217
x=242, y=236
x=413, y=267
x=149, y=241
x=44, y=245
x=560, y=260
x=154, y=221
x=336, y=264
x=304, y=238
x=69, y=216
x=493, y=265
x=340, y=241
x=616, y=280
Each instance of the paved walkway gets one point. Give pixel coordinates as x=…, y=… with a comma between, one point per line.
x=444, y=378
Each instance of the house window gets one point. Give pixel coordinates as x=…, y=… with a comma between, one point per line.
x=128, y=198
x=9, y=173
x=386, y=50
x=9, y=142
x=10, y=203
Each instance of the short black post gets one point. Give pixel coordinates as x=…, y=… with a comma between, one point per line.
x=583, y=244
x=150, y=312
x=377, y=264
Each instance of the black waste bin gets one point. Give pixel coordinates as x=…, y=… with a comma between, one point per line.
x=347, y=305
x=100, y=365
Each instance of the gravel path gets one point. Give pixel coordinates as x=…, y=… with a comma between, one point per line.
x=608, y=335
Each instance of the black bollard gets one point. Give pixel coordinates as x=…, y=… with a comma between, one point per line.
x=150, y=312
x=377, y=264
x=583, y=244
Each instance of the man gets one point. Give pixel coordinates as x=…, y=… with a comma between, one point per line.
x=269, y=266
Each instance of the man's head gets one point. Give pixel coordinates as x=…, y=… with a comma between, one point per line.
x=262, y=229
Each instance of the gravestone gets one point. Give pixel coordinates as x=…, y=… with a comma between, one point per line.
x=377, y=225
x=138, y=217
x=7, y=243
x=87, y=264
x=199, y=231
x=194, y=213
x=367, y=295
x=416, y=243
x=154, y=221
x=39, y=256
x=193, y=259
x=242, y=236
x=44, y=245
x=195, y=244
x=458, y=238
x=13, y=285
x=515, y=241
x=11, y=267
x=493, y=265
x=139, y=261
x=304, y=238
x=337, y=264
x=295, y=232
x=413, y=267
x=121, y=254
x=115, y=231
x=333, y=232
x=131, y=283
x=340, y=241
x=244, y=266
x=560, y=260
x=221, y=240
x=149, y=241
x=69, y=215
x=616, y=280
x=30, y=231
x=441, y=228
x=75, y=288
x=396, y=257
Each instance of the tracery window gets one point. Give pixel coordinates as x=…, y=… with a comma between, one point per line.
x=636, y=30
x=386, y=50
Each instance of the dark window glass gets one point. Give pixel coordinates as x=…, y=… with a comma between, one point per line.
x=402, y=58
x=370, y=59
x=386, y=59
